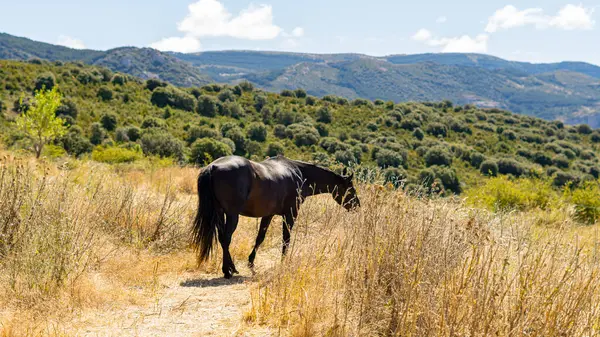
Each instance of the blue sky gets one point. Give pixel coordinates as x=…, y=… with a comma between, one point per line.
x=535, y=31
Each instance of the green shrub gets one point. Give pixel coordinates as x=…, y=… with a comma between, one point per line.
x=438, y=155
x=300, y=93
x=118, y=79
x=386, y=158
x=97, y=133
x=477, y=158
x=345, y=157
x=287, y=93
x=115, y=155
x=159, y=143
x=275, y=149
x=489, y=168
x=153, y=83
x=503, y=194
x=437, y=129
x=586, y=202
x=562, y=179
x=238, y=138
x=207, y=106
x=175, y=98
x=67, y=108
x=121, y=135
x=395, y=176
x=109, y=121
x=206, y=150
x=45, y=81
x=152, y=122
x=104, y=93
x=561, y=161
x=584, y=129
x=311, y=100
x=324, y=115
x=418, y=134
x=133, y=133
x=75, y=144
x=227, y=95
x=198, y=132
x=257, y=132
x=542, y=159
x=279, y=131
x=259, y=102
x=510, y=166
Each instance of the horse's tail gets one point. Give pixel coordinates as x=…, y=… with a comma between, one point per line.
x=207, y=219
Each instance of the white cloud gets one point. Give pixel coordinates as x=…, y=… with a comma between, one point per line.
x=298, y=32
x=71, y=42
x=185, y=44
x=462, y=44
x=422, y=35
x=570, y=17
x=441, y=19
x=573, y=17
x=211, y=18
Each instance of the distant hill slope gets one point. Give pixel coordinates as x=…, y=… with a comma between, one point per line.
x=141, y=62
x=569, y=91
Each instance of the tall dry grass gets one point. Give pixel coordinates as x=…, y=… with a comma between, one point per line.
x=401, y=266
x=59, y=223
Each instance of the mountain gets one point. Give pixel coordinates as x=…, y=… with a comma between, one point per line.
x=141, y=62
x=569, y=91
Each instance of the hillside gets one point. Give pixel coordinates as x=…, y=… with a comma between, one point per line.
x=568, y=91
x=116, y=119
x=141, y=62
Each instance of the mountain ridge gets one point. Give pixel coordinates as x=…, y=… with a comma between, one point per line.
x=568, y=91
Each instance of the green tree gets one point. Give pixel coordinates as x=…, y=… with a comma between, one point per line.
x=40, y=122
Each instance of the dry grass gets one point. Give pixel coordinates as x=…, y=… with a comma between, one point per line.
x=81, y=237
x=407, y=267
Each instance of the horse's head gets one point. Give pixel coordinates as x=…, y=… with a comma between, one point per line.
x=346, y=194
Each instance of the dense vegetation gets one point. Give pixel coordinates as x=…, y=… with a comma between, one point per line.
x=115, y=118
x=568, y=91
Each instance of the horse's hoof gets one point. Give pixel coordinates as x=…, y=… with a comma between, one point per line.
x=234, y=271
x=251, y=265
x=227, y=275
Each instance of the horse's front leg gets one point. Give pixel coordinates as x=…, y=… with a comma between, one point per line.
x=225, y=240
x=264, y=225
x=288, y=224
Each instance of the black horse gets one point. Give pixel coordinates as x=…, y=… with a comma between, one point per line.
x=233, y=186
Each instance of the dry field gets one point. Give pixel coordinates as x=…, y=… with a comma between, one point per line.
x=94, y=250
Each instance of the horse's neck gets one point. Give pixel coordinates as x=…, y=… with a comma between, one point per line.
x=318, y=180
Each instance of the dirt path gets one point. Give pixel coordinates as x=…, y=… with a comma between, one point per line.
x=188, y=305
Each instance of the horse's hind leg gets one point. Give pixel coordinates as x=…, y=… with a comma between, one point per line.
x=225, y=240
x=288, y=224
x=264, y=225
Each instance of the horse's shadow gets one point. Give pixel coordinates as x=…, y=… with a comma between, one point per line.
x=214, y=282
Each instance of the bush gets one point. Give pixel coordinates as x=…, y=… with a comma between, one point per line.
x=67, y=108
x=477, y=158
x=207, y=106
x=153, y=83
x=257, y=132
x=259, y=102
x=562, y=179
x=300, y=93
x=396, y=177
x=561, y=161
x=324, y=115
x=115, y=155
x=118, y=79
x=386, y=158
x=175, y=98
x=133, y=133
x=510, y=166
x=121, y=135
x=198, y=132
x=584, y=129
x=586, y=202
x=109, y=121
x=206, y=150
x=104, y=93
x=238, y=138
x=418, y=134
x=503, y=194
x=311, y=100
x=75, y=144
x=275, y=149
x=287, y=93
x=542, y=159
x=489, y=168
x=279, y=131
x=437, y=129
x=372, y=126
x=246, y=86
x=345, y=157
x=45, y=81
x=162, y=144
x=152, y=122
x=438, y=155
x=97, y=133
x=227, y=95
x=254, y=148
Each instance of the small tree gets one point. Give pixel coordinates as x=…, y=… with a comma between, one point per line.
x=40, y=122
